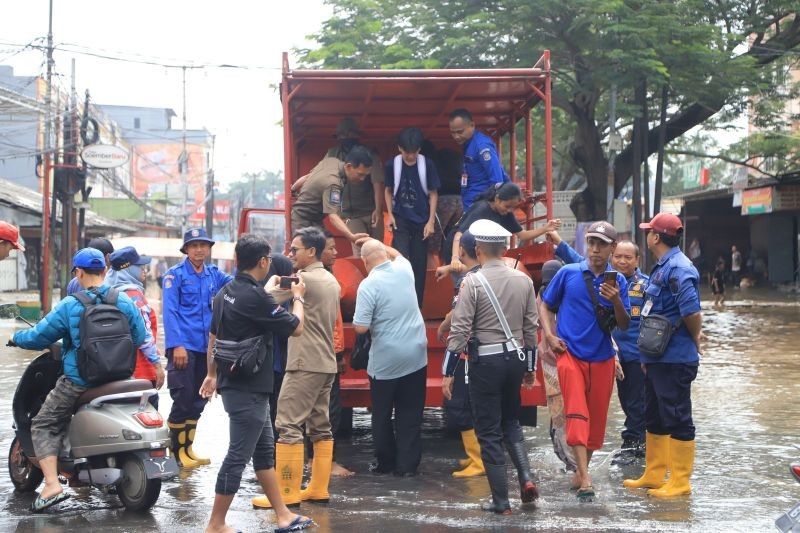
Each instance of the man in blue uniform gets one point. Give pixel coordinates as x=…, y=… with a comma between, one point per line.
x=482, y=167
x=189, y=288
x=671, y=293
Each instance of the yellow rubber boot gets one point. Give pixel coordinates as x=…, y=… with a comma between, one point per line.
x=177, y=434
x=191, y=427
x=681, y=454
x=317, y=490
x=656, y=461
x=473, y=449
x=289, y=469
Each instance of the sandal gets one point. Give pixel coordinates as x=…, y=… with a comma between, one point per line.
x=585, y=494
x=40, y=504
x=298, y=524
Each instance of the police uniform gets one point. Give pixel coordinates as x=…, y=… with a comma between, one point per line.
x=187, y=320
x=482, y=168
x=672, y=292
x=498, y=364
x=321, y=194
x=631, y=389
x=358, y=198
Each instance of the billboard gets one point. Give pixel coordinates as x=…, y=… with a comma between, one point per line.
x=156, y=168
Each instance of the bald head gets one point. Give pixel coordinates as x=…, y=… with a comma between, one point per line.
x=373, y=253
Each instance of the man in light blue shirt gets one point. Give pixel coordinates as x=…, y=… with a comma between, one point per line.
x=386, y=306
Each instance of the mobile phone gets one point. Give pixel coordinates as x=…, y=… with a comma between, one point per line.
x=610, y=277
x=286, y=281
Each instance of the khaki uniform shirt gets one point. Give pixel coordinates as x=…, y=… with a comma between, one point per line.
x=474, y=315
x=321, y=194
x=313, y=350
x=358, y=199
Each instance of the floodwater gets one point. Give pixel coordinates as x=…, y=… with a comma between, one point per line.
x=747, y=413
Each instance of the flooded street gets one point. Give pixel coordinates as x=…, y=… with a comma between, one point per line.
x=746, y=409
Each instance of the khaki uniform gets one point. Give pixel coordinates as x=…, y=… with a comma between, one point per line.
x=311, y=364
x=475, y=316
x=358, y=201
x=321, y=194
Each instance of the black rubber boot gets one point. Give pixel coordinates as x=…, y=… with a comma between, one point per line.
x=496, y=474
x=528, y=491
x=626, y=455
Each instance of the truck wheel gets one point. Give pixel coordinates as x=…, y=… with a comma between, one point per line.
x=345, y=428
x=135, y=490
x=527, y=416
x=24, y=474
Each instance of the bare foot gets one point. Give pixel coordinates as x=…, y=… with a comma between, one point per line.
x=51, y=489
x=575, y=482
x=224, y=528
x=286, y=521
x=338, y=470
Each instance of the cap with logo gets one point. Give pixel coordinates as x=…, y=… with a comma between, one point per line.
x=88, y=258
x=193, y=235
x=488, y=231
x=603, y=231
x=10, y=233
x=665, y=223
x=125, y=257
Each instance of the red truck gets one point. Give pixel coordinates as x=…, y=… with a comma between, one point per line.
x=383, y=102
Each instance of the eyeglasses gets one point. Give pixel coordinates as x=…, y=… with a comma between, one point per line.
x=295, y=250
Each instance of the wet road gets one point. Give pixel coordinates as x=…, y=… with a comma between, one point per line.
x=747, y=413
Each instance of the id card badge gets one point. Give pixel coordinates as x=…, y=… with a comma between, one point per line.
x=463, y=180
x=647, y=306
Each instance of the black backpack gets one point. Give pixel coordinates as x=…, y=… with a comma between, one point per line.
x=106, y=352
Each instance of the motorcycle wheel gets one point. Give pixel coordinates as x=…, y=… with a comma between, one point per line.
x=24, y=474
x=135, y=490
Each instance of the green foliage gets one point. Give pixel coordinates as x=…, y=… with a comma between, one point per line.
x=257, y=189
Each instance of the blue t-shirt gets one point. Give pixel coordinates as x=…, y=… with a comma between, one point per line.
x=577, y=323
x=673, y=289
x=387, y=304
x=411, y=202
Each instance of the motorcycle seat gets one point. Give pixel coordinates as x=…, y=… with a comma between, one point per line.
x=115, y=387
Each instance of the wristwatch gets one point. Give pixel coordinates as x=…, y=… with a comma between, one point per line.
x=298, y=299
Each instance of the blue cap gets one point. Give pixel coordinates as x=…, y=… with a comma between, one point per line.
x=468, y=242
x=125, y=257
x=195, y=234
x=89, y=258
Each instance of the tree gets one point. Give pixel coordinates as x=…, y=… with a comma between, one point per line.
x=714, y=55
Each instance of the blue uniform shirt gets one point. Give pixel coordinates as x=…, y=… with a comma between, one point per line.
x=187, y=304
x=577, y=323
x=626, y=340
x=482, y=167
x=674, y=292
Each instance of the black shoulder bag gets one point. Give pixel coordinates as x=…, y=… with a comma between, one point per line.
x=605, y=317
x=655, y=332
x=238, y=358
x=359, y=356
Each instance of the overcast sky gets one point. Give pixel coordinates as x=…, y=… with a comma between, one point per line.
x=239, y=106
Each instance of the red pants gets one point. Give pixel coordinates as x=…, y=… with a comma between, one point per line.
x=586, y=388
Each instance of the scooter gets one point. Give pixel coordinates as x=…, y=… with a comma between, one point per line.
x=116, y=440
x=790, y=520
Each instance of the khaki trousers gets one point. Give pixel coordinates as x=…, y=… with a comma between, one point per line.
x=303, y=403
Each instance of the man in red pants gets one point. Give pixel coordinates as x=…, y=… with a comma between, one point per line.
x=591, y=300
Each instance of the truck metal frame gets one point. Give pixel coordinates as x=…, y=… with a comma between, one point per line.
x=382, y=102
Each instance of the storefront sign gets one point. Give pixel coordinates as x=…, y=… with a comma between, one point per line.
x=104, y=155
x=757, y=201
x=787, y=198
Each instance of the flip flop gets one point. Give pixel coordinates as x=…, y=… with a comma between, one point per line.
x=40, y=504
x=585, y=494
x=297, y=524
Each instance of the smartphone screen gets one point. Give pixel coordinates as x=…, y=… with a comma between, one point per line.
x=286, y=281
x=610, y=277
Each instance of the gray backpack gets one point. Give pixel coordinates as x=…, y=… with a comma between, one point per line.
x=106, y=352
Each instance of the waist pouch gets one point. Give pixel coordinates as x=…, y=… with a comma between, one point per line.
x=655, y=331
x=243, y=358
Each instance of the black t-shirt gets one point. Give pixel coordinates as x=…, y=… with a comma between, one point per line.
x=411, y=202
x=280, y=265
x=247, y=311
x=482, y=210
x=450, y=165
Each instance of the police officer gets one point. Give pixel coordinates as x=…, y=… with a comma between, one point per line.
x=482, y=167
x=497, y=363
x=672, y=293
x=189, y=288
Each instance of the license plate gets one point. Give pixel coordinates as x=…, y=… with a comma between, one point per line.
x=160, y=467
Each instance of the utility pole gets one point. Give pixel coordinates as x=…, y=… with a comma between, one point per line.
x=45, y=292
x=184, y=163
x=613, y=140
x=662, y=136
